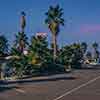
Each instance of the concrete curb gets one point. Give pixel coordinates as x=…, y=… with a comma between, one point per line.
x=38, y=79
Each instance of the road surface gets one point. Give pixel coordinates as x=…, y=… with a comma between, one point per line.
x=78, y=85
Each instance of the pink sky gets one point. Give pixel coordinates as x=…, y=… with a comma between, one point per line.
x=90, y=28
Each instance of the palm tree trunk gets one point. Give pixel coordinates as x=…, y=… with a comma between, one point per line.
x=54, y=47
x=22, y=30
x=21, y=46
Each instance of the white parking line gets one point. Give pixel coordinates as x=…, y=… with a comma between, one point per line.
x=20, y=90
x=75, y=89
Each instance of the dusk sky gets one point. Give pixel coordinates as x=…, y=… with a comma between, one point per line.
x=82, y=19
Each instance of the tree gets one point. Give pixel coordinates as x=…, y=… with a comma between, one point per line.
x=3, y=45
x=71, y=55
x=54, y=20
x=95, y=45
x=65, y=56
x=38, y=48
x=89, y=56
x=20, y=64
x=21, y=41
x=3, y=52
x=96, y=52
x=39, y=54
x=84, y=47
x=19, y=61
x=77, y=55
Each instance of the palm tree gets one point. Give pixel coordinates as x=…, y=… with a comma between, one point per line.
x=21, y=38
x=17, y=50
x=54, y=20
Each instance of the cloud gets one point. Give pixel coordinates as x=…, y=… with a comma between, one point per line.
x=90, y=28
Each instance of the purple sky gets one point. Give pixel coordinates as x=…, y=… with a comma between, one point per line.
x=82, y=19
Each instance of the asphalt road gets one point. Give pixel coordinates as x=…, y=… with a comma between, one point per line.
x=78, y=85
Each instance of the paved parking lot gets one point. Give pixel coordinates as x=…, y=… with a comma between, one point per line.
x=78, y=85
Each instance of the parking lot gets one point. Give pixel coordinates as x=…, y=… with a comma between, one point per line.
x=79, y=85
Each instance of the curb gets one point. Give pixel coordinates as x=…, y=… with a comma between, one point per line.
x=38, y=79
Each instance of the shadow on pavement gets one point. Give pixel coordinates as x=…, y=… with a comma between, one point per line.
x=6, y=88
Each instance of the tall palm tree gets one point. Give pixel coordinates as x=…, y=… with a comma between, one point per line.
x=21, y=38
x=54, y=20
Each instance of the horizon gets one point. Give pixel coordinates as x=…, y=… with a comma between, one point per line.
x=82, y=22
